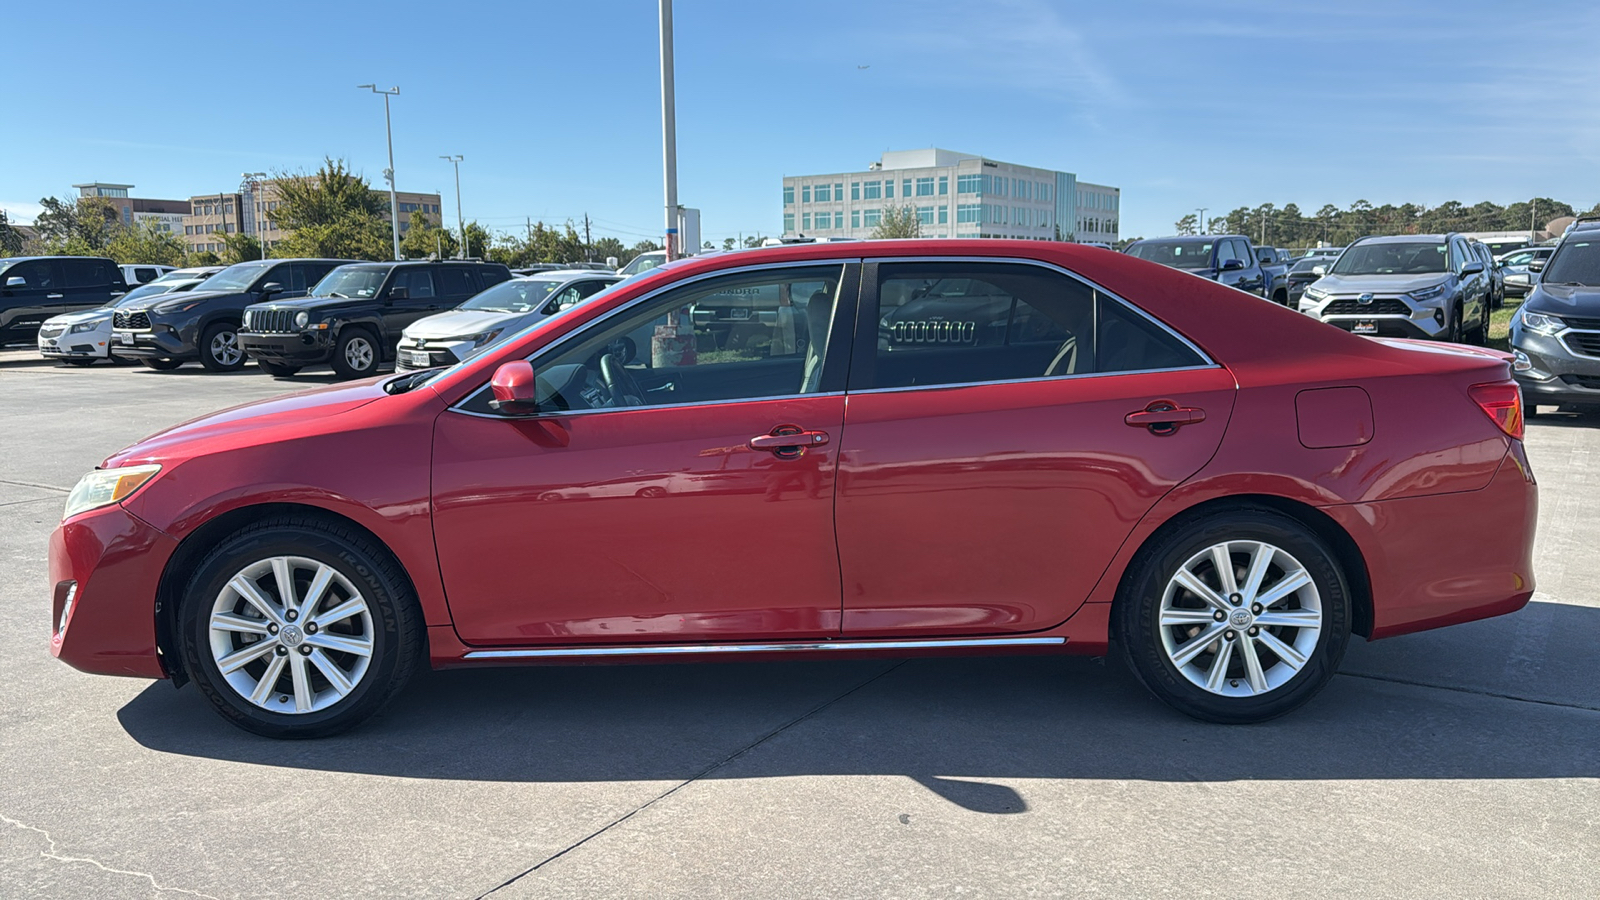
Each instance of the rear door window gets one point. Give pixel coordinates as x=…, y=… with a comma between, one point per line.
x=455, y=282
x=83, y=273
x=418, y=282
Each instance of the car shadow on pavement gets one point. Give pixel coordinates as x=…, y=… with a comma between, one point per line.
x=1567, y=417
x=1457, y=703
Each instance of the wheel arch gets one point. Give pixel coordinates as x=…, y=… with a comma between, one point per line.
x=1346, y=552
x=194, y=547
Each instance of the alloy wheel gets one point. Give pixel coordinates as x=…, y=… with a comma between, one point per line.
x=225, y=348
x=1240, y=618
x=291, y=635
x=358, y=354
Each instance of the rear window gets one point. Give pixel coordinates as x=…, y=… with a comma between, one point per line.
x=1177, y=254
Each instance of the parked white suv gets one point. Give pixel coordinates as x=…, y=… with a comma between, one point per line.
x=500, y=311
x=79, y=338
x=142, y=274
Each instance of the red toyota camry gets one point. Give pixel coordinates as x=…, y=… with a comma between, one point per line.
x=915, y=447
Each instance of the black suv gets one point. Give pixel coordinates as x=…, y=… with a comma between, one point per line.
x=353, y=318
x=203, y=324
x=34, y=288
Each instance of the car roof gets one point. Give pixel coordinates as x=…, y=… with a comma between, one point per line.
x=1404, y=238
x=571, y=274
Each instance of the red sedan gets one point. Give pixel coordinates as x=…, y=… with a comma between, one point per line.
x=915, y=447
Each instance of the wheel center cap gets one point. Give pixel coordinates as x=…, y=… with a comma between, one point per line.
x=291, y=635
x=1240, y=618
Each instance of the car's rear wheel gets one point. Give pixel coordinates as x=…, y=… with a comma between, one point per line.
x=355, y=354
x=1237, y=617
x=80, y=363
x=160, y=365
x=220, y=350
x=277, y=370
x=296, y=628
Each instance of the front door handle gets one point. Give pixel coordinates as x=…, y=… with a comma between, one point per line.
x=1164, y=417
x=53, y=296
x=788, y=441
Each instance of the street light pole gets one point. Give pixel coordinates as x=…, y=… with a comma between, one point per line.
x=388, y=132
x=461, y=223
x=260, y=216
x=1202, y=211
x=669, y=132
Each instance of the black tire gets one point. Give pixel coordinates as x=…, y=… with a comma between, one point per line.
x=348, y=353
x=1138, y=607
x=277, y=370
x=396, y=638
x=1281, y=298
x=1453, y=329
x=79, y=363
x=1480, y=335
x=160, y=365
x=219, y=348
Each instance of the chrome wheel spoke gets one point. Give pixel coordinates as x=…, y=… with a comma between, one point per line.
x=1291, y=657
x=1222, y=560
x=252, y=595
x=1186, y=654
x=284, y=576
x=267, y=686
x=238, y=624
x=233, y=662
x=1192, y=583
x=302, y=683
x=1219, y=666
x=1260, y=561
x=1252, y=664
x=345, y=610
x=331, y=671
x=1293, y=618
x=1288, y=584
x=1188, y=617
x=359, y=645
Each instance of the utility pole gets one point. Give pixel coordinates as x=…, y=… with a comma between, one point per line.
x=669, y=133
x=388, y=132
x=588, y=246
x=460, y=222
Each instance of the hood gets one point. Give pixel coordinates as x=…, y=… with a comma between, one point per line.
x=1379, y=284
x=460, y=322
x=314, y=303
x=82, y=315
x=267, y=417
x=1565, y=300
x=162, y=301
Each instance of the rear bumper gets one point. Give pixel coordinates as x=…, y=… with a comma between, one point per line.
x=304, y=349
x=1443, y=559
x=110, y=563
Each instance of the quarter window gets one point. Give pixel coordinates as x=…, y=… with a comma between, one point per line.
x=964, y=323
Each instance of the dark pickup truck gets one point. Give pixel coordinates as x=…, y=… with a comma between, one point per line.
x=1226, y=258
x=1275, y=263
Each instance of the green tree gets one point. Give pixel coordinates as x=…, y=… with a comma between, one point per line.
x=728, y=243
x=81, y=227
x=478, y=241
x=143, y=242
x=332, y=214
x=608, y=247
x=755, y=240
x=898, y=222
x=423, y=239
x=10, y=240
x=203, y=258
x=1189, y=224
x=237, y=248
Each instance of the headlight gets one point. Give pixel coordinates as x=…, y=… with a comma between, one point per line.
x=1427, y=293
x=302, y=319
x=103, y=487
x=478, y=340
x=1541, y=323
x=84, y=326
x=1316, y=294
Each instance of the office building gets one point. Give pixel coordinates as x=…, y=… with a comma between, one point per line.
x=248, y=210
x=953, y=195
x=164, y=215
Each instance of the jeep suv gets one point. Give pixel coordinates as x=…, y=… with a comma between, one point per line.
x=203, y=324
x=354, y=317
x=1429, y=286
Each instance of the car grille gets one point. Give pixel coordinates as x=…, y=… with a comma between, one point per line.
x=1591, y=382
x=1382, y=306
x=1575, y=322
x=1585, y=342
x=270, y=321
x=50, y=331
x=134, y=320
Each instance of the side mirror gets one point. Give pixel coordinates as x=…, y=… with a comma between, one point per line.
x=1472, y=268
x=399, y=292
x=1534, y=265
x=513, y=388
x=1233, y=265
x=271, y=287
x=1319, y=271
x=16, y=281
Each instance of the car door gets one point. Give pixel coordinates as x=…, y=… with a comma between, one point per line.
x=1007, y=426
x=29, y=294
x=88, y=284
x=687, y=500
x=417, y=297
x=455, y=285
x=1228, y=251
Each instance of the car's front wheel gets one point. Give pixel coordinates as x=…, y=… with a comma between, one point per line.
x=355, y=354
x=219, y=348
x=294, y=627
x=160, y=365
x=1238, y=617
x=277, y=370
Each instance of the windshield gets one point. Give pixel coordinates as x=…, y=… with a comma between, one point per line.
x=236, y=277
x=644, y=262
x=513, y=296
x=1177, y=254
x=1577, y=262
x=1393, y=258
x=351, y=281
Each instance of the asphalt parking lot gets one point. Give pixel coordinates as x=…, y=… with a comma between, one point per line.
x=1461, y=762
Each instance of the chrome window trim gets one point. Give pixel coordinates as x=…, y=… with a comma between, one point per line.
x=564, y=414
x=766, y=647
x=1038, y=378
x=645, y=297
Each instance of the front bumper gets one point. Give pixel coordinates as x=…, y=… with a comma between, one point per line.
x=1560, y=373
x=302, y=349
x=155, y=343
x=1390, y=316
x=110, y=563
x=413, y=355
x=82, y=345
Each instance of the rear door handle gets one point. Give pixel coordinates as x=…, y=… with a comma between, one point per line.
x=1164, y=417
x=53, y=296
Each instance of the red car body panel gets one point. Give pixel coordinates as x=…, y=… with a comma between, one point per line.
x=546, y=533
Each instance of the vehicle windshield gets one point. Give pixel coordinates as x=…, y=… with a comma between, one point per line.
x=235, y=277
x=514, y=296
x=644, y=262
x=351, y=281
x=1177, y=254
x=1393, y=258
x=1577, y=262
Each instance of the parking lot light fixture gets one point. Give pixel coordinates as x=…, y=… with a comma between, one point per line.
x=461, y=223
x=388, y=174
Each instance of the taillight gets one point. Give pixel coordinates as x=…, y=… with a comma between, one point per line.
x=1502, y=402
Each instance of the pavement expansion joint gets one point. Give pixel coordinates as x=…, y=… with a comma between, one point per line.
x=1480, y=693
x=691, y=780
x=35, y=484
x=52, y=854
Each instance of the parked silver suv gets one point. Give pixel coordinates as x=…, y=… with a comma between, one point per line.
x=1413, y=285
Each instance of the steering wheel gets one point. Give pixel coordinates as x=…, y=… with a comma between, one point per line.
x=624, y=388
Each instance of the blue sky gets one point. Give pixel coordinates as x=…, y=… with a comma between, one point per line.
x=556, y=105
